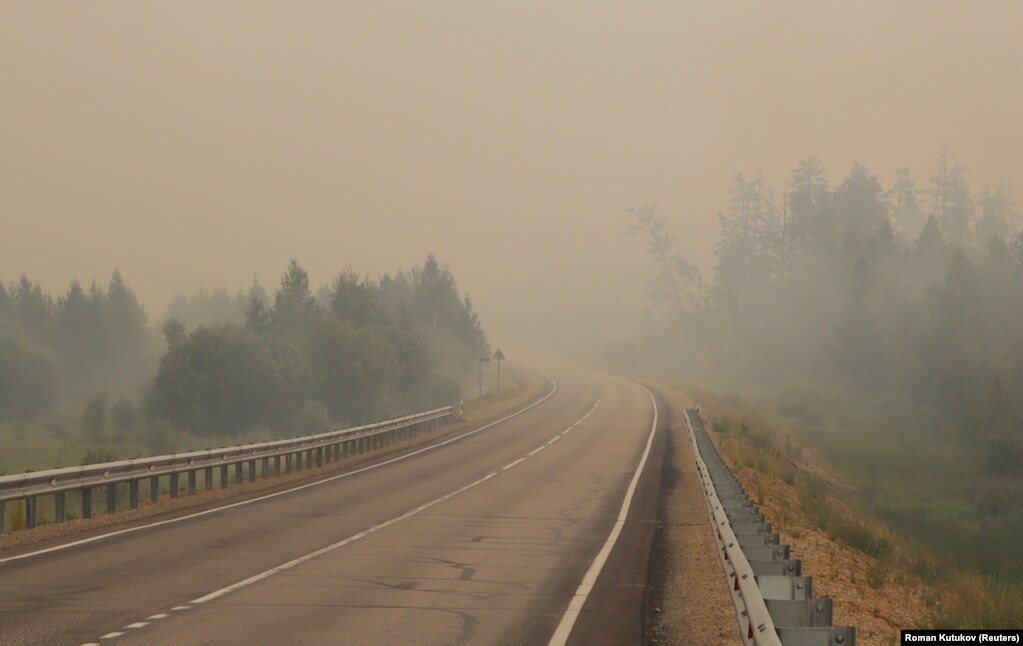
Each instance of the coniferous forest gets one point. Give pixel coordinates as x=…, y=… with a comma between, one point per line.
x=882, y=323
x=89, y=364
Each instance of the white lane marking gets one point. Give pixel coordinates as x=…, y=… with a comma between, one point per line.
x=511, y=464
x=536, y=450
x=137, y=624
x=92, y=539
x=351, y=539
x=330, y=548
x=159, y=616
x=575, y=604
x=90, y=644
x=553, y=440
x=112, y=635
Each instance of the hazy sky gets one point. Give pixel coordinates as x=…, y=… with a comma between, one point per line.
x=198, y=143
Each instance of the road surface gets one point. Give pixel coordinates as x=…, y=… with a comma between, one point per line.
x=482, y=540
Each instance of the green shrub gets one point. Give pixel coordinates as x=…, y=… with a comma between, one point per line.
x=310, y=418
x=123, y=413
x=94, y=417
x=98, y=455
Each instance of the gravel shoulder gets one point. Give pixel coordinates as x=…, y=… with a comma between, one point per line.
x=688, y=600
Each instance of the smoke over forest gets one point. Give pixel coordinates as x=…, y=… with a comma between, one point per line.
x=298, y=362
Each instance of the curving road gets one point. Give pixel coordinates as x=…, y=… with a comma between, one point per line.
x=482, y=540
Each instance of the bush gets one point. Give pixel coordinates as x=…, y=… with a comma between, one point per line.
x=159, y=438
x=94, y=417
x=311, y=417
x=124, y=413
x=98, y=455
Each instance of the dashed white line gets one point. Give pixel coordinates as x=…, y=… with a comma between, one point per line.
x=213, y=510
x=330, y=548
x=159, y=616
x=511, y=464
x=351, y=539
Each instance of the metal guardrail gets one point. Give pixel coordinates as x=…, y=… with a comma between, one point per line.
x=308, y=450
x=774, y=603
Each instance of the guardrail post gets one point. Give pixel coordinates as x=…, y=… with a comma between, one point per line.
x=86, y=502
x=111, y=497
x=266, y=468
x=3, y=515
x=207, y=479
x=154, y=489
x=238, y=476
x=337, y=452
x=252, y=470
x=191, y=483
x=223, y=476
x=58, y=507
x=30, y=512
x=277, y=465
x=133, y=494
x=174, y=485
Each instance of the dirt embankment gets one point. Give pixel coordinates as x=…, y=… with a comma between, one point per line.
x=870, y=592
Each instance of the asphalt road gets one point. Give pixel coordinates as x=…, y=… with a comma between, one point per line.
x=484, y=540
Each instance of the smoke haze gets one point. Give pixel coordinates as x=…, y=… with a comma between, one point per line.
x=197, y=144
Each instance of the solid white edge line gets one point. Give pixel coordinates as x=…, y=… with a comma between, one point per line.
x=575, y=604
x=330, y=548
x=93, y=539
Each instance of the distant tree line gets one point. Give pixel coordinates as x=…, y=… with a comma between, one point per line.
x=889, y=291
x=360, y=349
x=377, y=348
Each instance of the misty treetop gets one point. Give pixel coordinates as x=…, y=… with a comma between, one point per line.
x=365, y=350
x=89, y=340
x=903, y=291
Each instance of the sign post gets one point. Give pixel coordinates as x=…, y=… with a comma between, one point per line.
x=498, y=356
